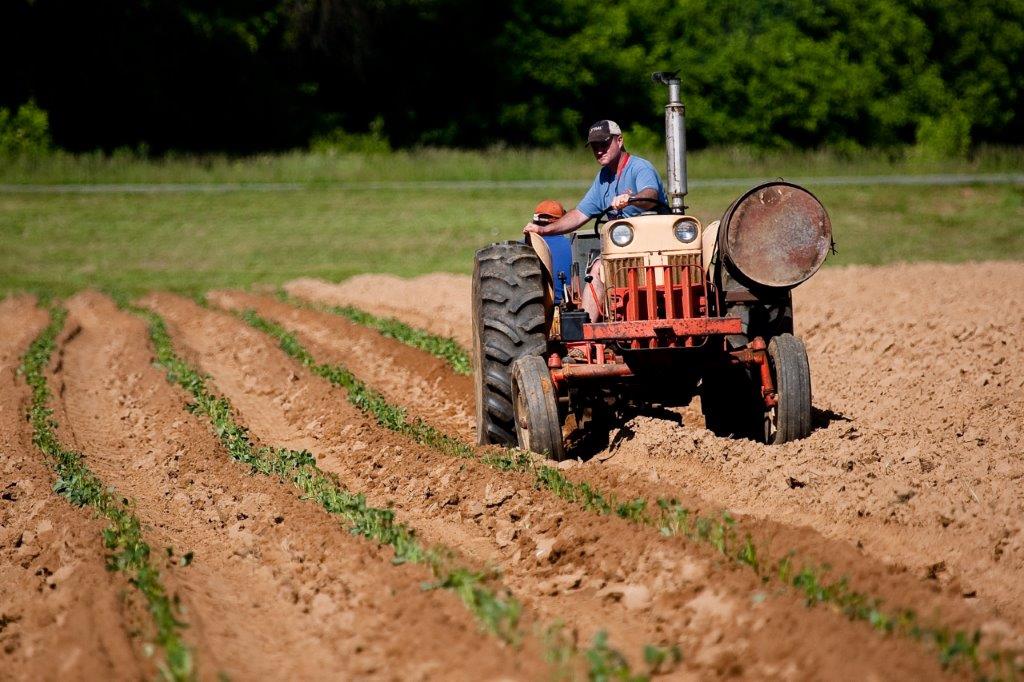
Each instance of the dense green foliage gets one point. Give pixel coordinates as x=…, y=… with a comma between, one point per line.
x=24, y=132
x=272, y=74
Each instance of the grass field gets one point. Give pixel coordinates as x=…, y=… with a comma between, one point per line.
x=191, y=241
x=496, y=164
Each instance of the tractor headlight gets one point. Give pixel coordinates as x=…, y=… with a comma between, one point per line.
x=685, y=230
x=622, y=234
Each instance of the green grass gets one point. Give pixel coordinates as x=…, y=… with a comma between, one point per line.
x=191, y=242
x=571, y=164
x=123, y=537
x=953, y=647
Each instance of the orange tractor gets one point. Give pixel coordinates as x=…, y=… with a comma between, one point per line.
x=689, y=310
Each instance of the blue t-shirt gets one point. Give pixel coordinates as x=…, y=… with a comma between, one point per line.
x=637, y=175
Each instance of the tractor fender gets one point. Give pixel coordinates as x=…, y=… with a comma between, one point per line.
x=708, y=244
x=543, y=251
x=555, y=255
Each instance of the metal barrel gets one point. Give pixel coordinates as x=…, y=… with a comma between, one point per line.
x=775, y=235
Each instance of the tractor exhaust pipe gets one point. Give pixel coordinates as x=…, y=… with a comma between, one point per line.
x=675, y=140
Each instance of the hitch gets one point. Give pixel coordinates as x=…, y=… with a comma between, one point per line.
x=757, y=354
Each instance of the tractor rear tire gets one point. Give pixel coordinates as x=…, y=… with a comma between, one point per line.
x=535, y=405
x=509, y=322
x=790, y=419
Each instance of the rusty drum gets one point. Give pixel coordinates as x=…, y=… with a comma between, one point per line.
x=776, y=235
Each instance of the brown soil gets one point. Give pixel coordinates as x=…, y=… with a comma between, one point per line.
x=919, y=399
x=423, y=384
x=438, y=302
x=592, y=572
x=62, y=614
x=910, y=486
x=277, y=587
x=334, y=339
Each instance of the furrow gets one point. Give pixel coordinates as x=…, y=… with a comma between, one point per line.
x=915, y=456
x=441, y=347
x=130, y=553
x=437, y=303
x=562, y=561
x=498, y=613
x=274, y=586
x=406, y=376
x=882, y=597
x=55, y=591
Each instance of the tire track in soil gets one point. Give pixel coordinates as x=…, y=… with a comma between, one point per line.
x=62, y=614
x=277, y=587
x=331, y=338
x=920, y=402
x=593, y=572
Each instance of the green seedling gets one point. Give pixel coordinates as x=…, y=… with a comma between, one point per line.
x=634, y=510
x=670, y=518
x=129, y=553
x=559, y=650
x=441, y=347
x=497, y=611
x=607, y=664
x=661, y=659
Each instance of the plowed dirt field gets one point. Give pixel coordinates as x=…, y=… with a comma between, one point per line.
x=909, y=490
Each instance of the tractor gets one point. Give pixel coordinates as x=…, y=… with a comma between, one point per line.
x=690, y=310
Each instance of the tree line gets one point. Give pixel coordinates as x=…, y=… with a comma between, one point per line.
x=252, y=75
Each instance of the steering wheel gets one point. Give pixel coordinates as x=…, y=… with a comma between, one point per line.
x=603, y=216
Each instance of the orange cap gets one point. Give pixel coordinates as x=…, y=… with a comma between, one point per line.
x=548, y=209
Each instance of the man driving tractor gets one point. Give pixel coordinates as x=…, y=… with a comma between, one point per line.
x=622, y=184
x=688, y=310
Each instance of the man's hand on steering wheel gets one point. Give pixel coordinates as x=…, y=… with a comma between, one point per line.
x=627, y=200
x=622, y=200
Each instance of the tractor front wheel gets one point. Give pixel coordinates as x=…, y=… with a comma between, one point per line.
x=790, y=418
x=535, y=405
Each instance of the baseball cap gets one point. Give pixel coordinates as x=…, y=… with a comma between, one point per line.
x=548, y=210
x=603, y=131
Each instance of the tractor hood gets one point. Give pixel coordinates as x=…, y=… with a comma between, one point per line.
x=775, y=235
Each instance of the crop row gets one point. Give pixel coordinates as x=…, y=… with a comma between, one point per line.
x=123, y=537
x=442, y=347
x=954, y=647
x=495, y=609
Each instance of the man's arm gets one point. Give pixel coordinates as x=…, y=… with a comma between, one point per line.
x=571, y=221
x=622, y=200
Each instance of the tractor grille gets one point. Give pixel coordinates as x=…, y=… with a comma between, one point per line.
x=618, y=268
x=696, y=276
